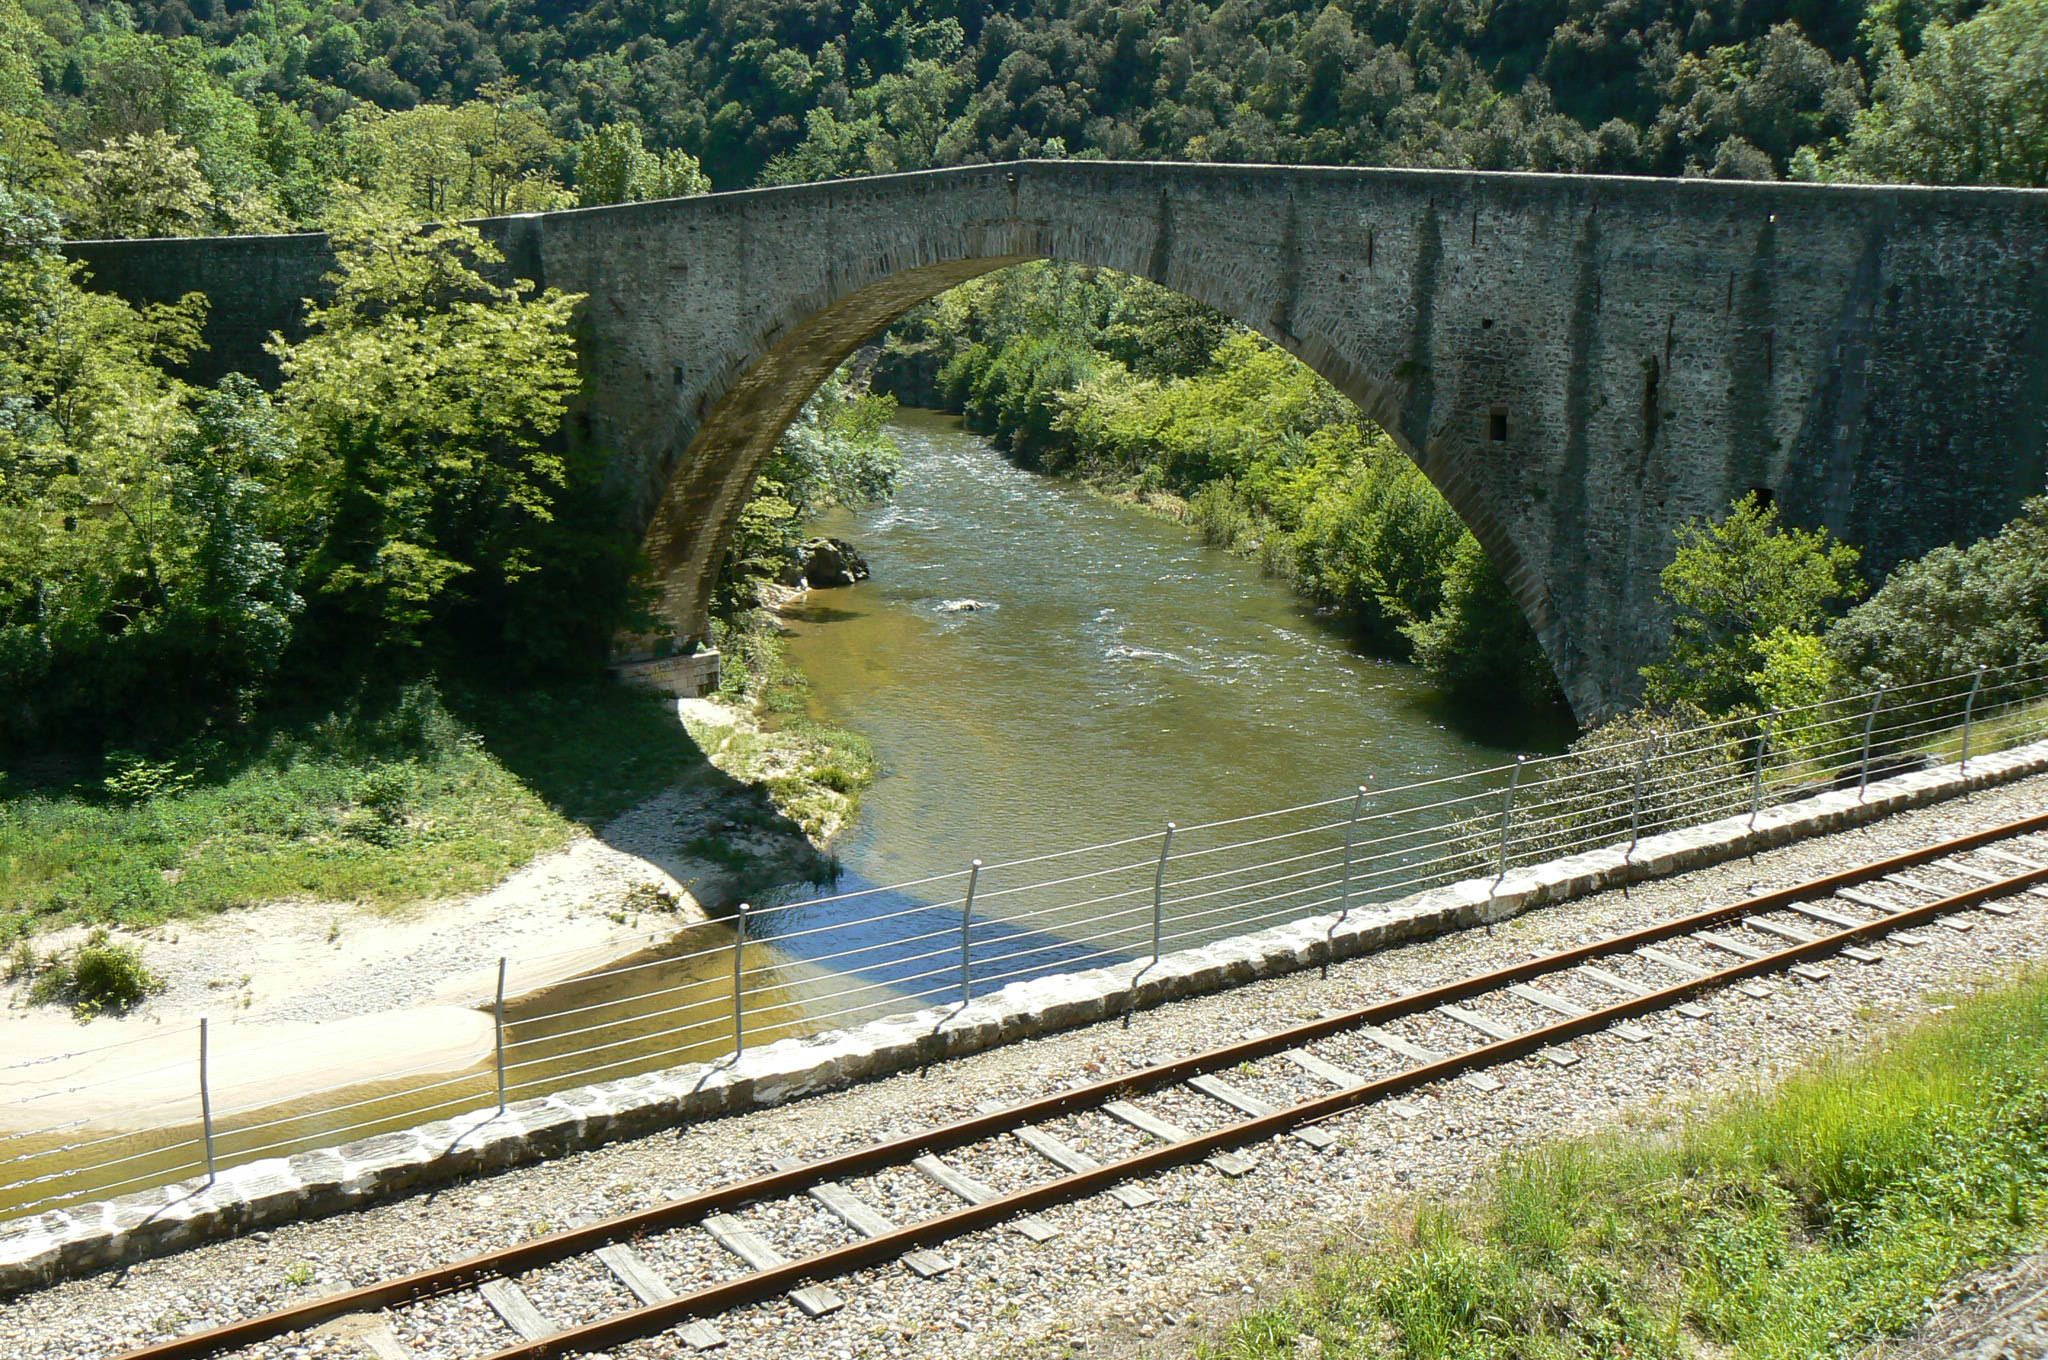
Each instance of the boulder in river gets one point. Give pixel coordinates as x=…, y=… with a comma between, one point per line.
x=962, y=606
x=833, y=562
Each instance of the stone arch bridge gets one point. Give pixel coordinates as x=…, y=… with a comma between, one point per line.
x=1578, y=363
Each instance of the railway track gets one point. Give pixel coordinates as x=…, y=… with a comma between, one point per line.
x=1283, y=1083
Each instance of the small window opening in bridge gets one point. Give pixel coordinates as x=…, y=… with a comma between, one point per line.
x=1497, y=425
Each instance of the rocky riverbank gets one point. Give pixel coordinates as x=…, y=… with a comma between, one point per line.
x=759, y=728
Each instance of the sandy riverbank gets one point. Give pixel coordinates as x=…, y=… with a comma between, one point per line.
x=305, y=996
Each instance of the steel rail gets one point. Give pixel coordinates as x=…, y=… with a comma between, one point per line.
x=870, y=1251
x=857, y=1162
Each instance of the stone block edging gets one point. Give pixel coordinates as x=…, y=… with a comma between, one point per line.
x=66, y=1243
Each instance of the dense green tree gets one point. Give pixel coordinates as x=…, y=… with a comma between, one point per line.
x=122, y=595
x=1745, y=112
x=834, y=87
x=837, y=87
x=900, y=122
x=1737, y=586
x=143, y=184
x=486, y=156
x=1984, y=604
x=613, y=165
x=31, y=161
x=425, y=397
x=1970, y=108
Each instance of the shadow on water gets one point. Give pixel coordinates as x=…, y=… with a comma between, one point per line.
x=810, y=611
x=910, y=947
x=808, y=966
x=1517, y=726
x=1506, y=727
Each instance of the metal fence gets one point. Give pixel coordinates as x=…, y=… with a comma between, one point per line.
x=822, y=962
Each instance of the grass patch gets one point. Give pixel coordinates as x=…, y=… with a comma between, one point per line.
x=1801, y=1222
x=814, y=771
x=2000, y=730
x=395, y=798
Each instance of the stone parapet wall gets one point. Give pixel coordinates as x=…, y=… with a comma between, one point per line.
x=66, y=1243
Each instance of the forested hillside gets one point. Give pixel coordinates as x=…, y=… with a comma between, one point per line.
x=204, y=115
x=252, y=537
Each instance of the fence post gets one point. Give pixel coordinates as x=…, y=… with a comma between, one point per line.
x=206, y=1103
x=1350, y=840
x=1635, y=804
x=1756, y=781
x=1159, y=889
x=967, y=916
x=739, y=954
x=1507, y=817
x=1869, y=721
x=1969, y=711
x=498, y=1025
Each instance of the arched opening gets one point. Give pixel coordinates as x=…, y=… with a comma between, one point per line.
x=734, y=428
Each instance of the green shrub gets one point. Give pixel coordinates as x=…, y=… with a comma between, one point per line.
x=133, y=891
x=1220, y=516
x=1478, y=648
x=1954, y=609
x=98, y=977
x=386, y=791
x=1734, y=583
x=137, y=780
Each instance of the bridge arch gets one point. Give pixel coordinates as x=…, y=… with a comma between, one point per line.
x=1578, y=363
x=691, y=527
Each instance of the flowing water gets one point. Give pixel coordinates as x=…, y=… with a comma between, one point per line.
x=1112, y=673
x=1123, y=673
x=1041, y=668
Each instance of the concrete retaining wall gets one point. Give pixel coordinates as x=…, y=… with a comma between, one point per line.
x=66, y=1243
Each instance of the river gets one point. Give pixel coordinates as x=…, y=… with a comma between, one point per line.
x=1123, y=674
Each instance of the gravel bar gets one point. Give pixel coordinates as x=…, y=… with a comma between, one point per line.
x=1113, y=1280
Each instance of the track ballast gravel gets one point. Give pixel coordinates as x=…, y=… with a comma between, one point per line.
x=1115, y=1280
